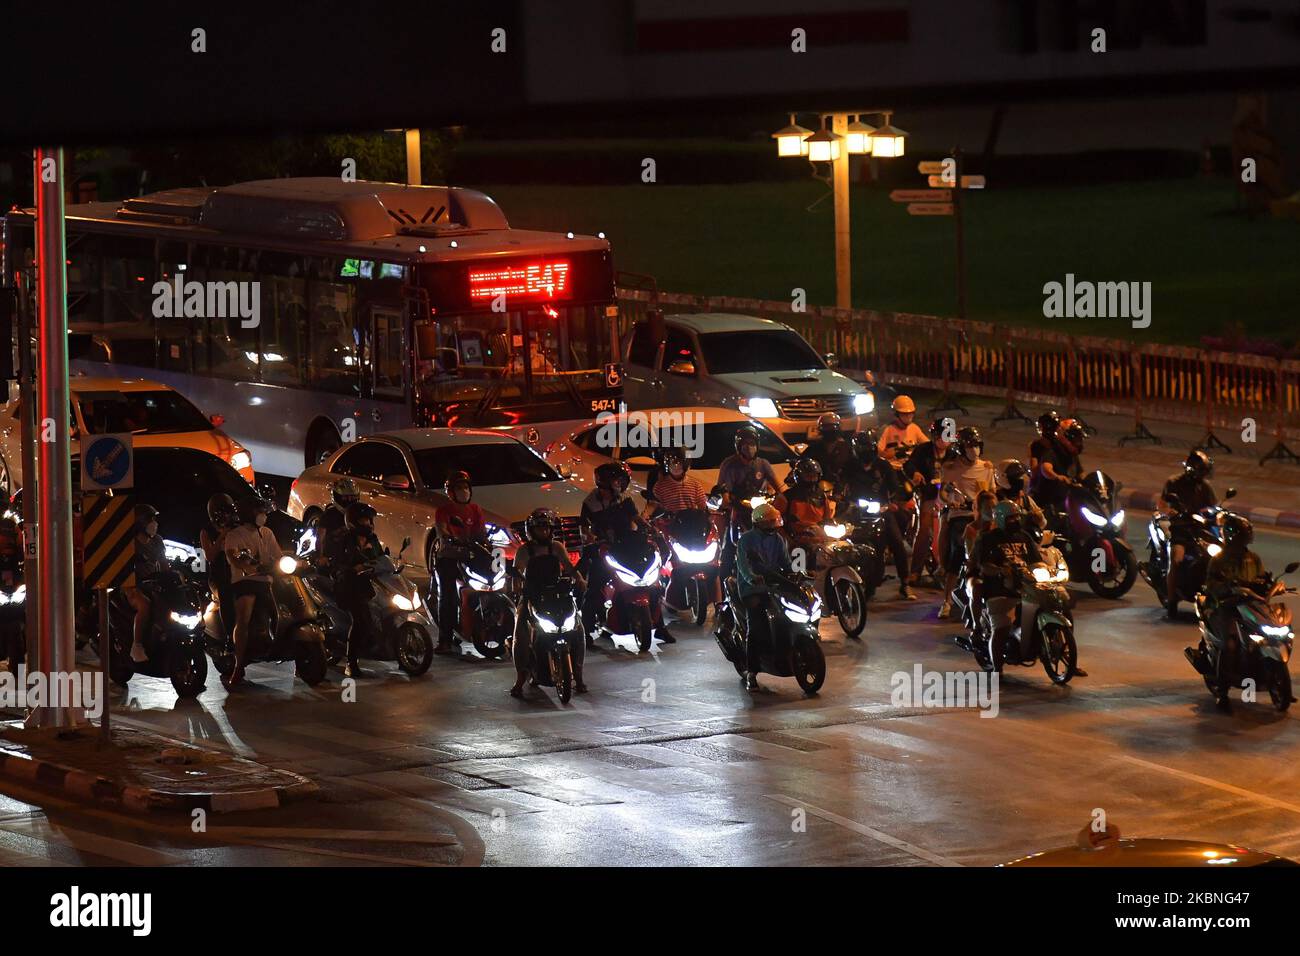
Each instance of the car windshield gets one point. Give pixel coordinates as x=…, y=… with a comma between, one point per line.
x=720, y=442
x=732, y=352
x=153, y=413
x=499, y=463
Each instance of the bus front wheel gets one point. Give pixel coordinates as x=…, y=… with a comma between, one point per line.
x=322, y=442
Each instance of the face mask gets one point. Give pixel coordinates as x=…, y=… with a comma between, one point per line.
x=261, y=520
x=151, y=528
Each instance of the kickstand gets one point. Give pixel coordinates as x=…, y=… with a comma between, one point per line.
x=1142, y=433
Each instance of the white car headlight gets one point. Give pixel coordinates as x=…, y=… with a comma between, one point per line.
x=864, y=403
x=186, y=620
x=1094, y=519
x=1213, y=550
x=703, y=556
x=1117, y=518
x=758, y=408
x=241, y=460
x=288, y=564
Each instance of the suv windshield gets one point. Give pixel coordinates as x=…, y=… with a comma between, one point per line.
x=153, y=413
x=730, y=352
x=500, y=463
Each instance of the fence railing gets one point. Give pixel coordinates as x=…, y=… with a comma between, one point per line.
x=1150, y=382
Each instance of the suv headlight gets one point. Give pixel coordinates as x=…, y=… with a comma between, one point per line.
x=864, y=403
x=758, y=407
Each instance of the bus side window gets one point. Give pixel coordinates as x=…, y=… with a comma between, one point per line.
x=643, y=349
x=332, y=322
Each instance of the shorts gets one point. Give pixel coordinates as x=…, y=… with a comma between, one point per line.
x=249, y=588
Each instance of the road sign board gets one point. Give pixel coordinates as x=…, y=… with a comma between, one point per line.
x=921, y=195
x=109, y=541
x=967, y=182
x=930, y=209
x=107, y=462
x=928, y=166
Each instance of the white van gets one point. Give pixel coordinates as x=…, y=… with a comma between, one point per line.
x=760, y=367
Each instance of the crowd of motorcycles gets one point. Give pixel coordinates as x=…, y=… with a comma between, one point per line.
x=678, y=563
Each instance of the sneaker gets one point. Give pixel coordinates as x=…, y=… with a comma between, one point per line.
x=945, y=611
x=905, y=593
x=751, y=681
x=1079, y=671
x=517, y=693
x=354, y=671
x=666, y=636
x=1171, y=611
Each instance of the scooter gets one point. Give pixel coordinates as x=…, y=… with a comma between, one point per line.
x=1205, y=544
x=173, y=640
x=696, y=562
x=633, y=592
x=793, y=611
x=1259, y=640
x=400, y=622
x=1092, y=537
x=487, y=611
x=838, y=559
x=289, y=627
x=557, y=638
x=1045, y=605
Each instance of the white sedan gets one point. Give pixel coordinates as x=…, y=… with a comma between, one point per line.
x=401, y=475
x=707, y=433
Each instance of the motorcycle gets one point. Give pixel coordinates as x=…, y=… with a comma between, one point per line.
x=291, y=626
x=173, y=640
x=793, y=611
x=556, y=627
x=1191, y=571
x=696, y=562
x=1045, y=604
x=1091, y=537
x=487, y=611
x=633, y=593
x=842, y=587
x=1259, y=642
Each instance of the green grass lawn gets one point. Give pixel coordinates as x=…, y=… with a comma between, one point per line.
x=1208, y=266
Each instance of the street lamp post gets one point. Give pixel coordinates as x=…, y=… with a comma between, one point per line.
x=848, y=136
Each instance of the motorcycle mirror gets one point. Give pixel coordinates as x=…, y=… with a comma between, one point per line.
x=406, y=543
x=1231, y=493
x=1291, y=568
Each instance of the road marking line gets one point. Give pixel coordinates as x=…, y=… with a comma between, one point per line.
x=1216, y=784
x=879, y=836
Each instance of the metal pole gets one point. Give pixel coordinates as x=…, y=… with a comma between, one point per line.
x=840, y=188
x=413, y=157
x=53, y=470
x=27, y=440
x=961, y=239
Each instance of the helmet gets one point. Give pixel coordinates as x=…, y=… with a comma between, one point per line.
x=828, y=423
x=359, y=513
x=746, y=433
x=1070, y=434
x=542, y=518
x=221, y=511
x=865, y=447
x=969, y=438
x=251, y=507
x=1048, y=422
x=1004, y=511
x=1237, y=531
x=1199, y=464
x=1011, y=475
x=344, y=492
x=939, y=427
x=903, y=405
x=767, y=517
x=144, y=514
x=807, y=471
x=457, y=478
x=671, y=456
x=610, y=473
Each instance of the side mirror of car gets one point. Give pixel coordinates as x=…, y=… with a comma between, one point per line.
x=683, y=367
x=1231, y=493
x=267, y=491
x=641, y=463
x=832, y=360
x=397, y=483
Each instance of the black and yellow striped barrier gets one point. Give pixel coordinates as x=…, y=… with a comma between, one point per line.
x=108, y=524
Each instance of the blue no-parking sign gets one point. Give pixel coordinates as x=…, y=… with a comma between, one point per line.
x=107, y=462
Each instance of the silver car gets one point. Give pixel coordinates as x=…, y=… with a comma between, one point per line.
x=401, y=475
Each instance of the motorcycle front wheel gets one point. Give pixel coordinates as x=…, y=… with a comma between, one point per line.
x=809, y=664
x=642, y=629
x=1279, y=684
x=188, y=670
x=1116, y=584
x=490, y=641
x=850, y=606
x=1059, y=653
x=309, y=663
x=697, y=601
x=414, y=649
x=562, y=674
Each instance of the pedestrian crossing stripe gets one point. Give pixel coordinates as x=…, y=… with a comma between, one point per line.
x=109, y=536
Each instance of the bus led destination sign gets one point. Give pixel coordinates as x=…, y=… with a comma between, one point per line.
x=541, y=279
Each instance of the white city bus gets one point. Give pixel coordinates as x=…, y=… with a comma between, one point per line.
x=376, y=306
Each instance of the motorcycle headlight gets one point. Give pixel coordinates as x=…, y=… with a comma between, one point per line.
x=498, y=537
x=864, y=403
x=758, y=408
x=545, y=624
x=189, y=621
x=404, y=603
x=241, y=460
x=833, y=530
x=477, y=581
x=869, y=507
x=1117, y=519
x=798, y=614
x=702, y=556
x=756, y=501
x=1094, y=519
x=288, y=564
x=1213, y=549
x=1062, y=574
x=1276, y=630
x=571, y=621
x=4, y=599
x=1042, y=575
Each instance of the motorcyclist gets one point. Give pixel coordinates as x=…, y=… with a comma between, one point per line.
x=1047, y=424
x=354, y=579
x=150, y=561
x=538, y=563
x=807, y=506
x=460, y=522
x=251, y=550
x=676, y=490
x=870, y=476
x=761, y=550
x=741, y=476
x=962, y=477
x=1233, y=567
x=1013, y=480
x=903, y=434
x=922, y=468
x=998, y=555
x=1192, y=489
x=829, y=430
x=1058, y=469
x=222, y=516
x=333, y=523
x=607, y=514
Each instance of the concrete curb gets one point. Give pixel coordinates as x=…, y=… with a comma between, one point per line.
x=1150, y=501
x=100, y=790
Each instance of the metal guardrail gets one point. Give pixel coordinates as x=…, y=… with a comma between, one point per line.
x=1151, y=382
